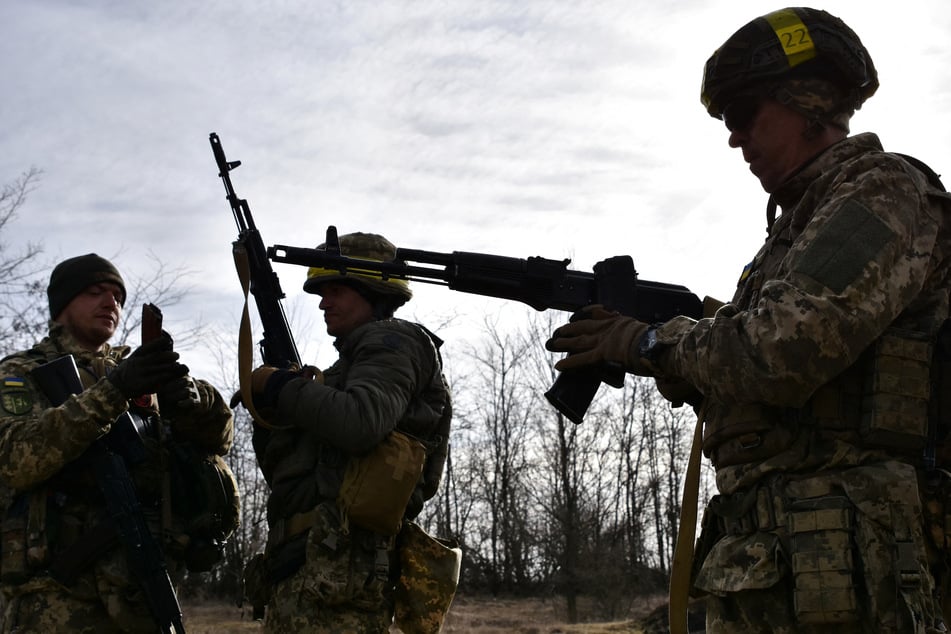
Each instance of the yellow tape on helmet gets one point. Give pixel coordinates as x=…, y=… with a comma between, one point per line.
x=371, y=279
x=793, y=36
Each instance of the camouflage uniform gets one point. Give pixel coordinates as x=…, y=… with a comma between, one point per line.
x=816, y=380
x=330, y=577
x=41, y=467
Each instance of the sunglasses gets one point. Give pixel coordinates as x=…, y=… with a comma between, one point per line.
x=739, y=113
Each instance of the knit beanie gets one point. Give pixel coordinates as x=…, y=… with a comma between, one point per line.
x=72, y=276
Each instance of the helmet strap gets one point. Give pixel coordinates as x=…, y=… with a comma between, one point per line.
x=770, y=213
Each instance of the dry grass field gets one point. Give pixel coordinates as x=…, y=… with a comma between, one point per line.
x=467, y=616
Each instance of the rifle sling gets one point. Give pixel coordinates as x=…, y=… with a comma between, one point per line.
x=683, y=552
x=245, y=351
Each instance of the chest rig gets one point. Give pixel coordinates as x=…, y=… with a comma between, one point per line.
x=883, y=401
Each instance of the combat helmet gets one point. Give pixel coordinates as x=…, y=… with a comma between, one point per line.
x=792, y=42
x=364, y=246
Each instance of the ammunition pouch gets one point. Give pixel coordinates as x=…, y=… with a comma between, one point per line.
x=811, y=539
x=898, y=388
x=377, y=487
x=429, y=575
x=835, y=537
x=821, y=547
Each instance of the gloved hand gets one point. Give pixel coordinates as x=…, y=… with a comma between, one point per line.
x=148, y=368
x=313, y=373
x=595, y=335
x=268, y=381
x=181, y=395
x=259, y=378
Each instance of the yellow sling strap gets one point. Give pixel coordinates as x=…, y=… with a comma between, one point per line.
x=679, y=592
x=245, y=349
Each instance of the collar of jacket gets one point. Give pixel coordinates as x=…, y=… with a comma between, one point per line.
x=792, y=191
x=60, y=340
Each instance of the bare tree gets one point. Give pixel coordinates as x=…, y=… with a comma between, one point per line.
x=163, y=285
x=497, y=466
x=22, y=316
x=569, y=466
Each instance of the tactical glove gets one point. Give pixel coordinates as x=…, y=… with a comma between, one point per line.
x=596, y=336
x=146, y=370
x=259, y=381
x=267, y=383
x=181, y=395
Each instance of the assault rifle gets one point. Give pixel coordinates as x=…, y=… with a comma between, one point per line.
x=536, y=281
x=277, y=345
x=59, y=379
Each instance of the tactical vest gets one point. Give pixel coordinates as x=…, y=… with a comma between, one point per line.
x=896, y=397
x=881, y=402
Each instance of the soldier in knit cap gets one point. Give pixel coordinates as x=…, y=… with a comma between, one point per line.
x=64, y=565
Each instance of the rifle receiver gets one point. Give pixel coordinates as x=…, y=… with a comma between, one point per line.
x=277, y=346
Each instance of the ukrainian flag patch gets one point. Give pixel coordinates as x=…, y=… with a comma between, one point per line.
x=746, y=273
x=15, y=398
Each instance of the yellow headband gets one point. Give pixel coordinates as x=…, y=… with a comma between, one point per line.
x=391, y=284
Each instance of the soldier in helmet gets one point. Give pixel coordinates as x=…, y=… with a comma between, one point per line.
x=814, y=383
x=335, y=444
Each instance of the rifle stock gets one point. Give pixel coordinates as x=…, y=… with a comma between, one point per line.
x=538, y=282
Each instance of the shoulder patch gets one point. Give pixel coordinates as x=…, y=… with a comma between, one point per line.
x=745, y=273
x=850, y=239
x=15, y=398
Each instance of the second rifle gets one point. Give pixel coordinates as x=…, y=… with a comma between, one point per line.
x=538, y=282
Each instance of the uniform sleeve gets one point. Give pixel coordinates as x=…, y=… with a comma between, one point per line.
x=381, y=381
x=210, y=425
x=37, y=443
x=862, y=259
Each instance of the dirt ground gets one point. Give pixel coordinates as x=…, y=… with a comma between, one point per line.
x=468, y=615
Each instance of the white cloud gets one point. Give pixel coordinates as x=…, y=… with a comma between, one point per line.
x=531, y=128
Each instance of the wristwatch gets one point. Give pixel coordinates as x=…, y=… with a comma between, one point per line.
x=648, y=344
x=649, y=348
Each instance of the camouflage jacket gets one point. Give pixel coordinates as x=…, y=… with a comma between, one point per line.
x=40, y=451
x=388, y=376
x=861, y=249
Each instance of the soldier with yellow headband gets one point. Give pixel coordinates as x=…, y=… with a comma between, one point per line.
x=819, y=385
x=350, y=454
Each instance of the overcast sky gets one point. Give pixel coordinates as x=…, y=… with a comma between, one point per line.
x=551, y=128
